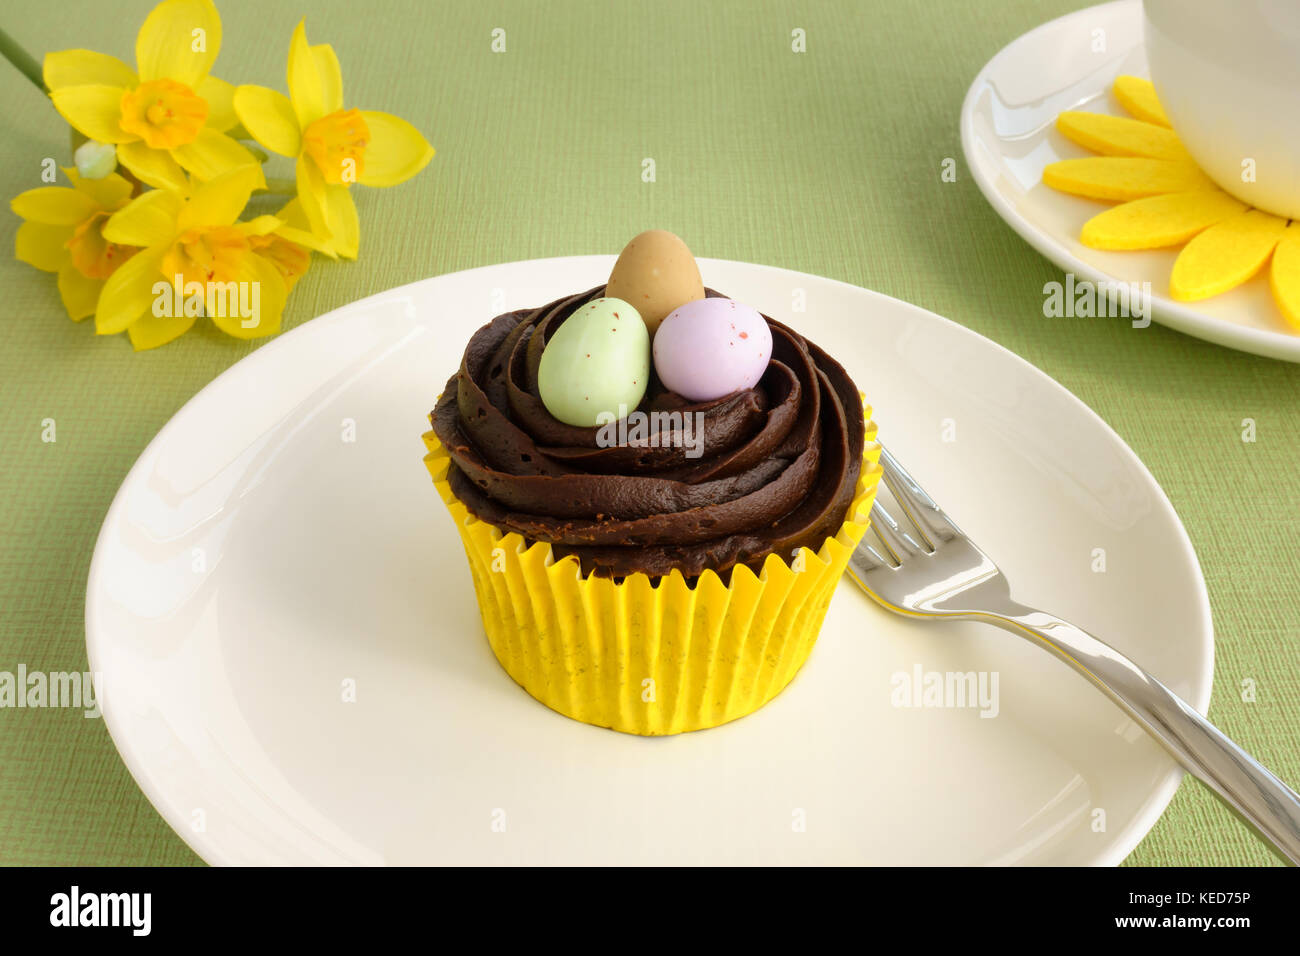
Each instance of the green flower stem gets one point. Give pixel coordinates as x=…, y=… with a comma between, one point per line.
x=20, y=58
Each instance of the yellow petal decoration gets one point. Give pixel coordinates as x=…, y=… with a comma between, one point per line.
x=1122, y=177
x=1138, y=97
x=1225, y=255
x=1120, y=136
x=1167, y=201
x=1159, y=221
x=1284, y=277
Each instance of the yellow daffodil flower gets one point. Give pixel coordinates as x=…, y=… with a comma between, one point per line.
x=63, y=233
x=195, y=257
x=287, y=247
x=171, y=116
x=334, y=147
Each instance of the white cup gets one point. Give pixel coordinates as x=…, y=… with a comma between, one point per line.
x=1228, y=75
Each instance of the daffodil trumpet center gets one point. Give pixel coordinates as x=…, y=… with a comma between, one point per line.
x=93, y=255
x=337, y=144
x=164, y=113
x=289, y=258
x=206, y=254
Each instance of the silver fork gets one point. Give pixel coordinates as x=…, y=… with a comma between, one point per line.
x=938, y=572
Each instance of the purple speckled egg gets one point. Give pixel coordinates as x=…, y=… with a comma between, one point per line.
x=712, y=347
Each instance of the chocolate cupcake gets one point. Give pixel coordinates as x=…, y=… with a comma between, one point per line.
x=652, y=551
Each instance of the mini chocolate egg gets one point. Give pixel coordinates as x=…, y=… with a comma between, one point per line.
x=711, y=348
x=598, y=361
x=656, y=273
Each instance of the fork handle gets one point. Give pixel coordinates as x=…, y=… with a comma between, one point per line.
x=1250, y=790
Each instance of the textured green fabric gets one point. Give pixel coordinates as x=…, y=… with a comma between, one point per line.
x=827, y=162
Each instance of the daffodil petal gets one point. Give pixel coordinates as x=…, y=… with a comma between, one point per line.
x=344, y=225
x=329, y=209
x=79, y=294
x=1159, y=221
x=220, y=99
x=1121, y=177
x=154, y=167
x=1120, y=136
x=396, y=150
x=94, y=110
x=306, y=88
x=54, y=205
x=271, y=295
x=79, y=67
x=311, y=197
x=180, y=40
x=259, y=226
x=150, y=331
x=1225, y=255
x=128, y=292
x=308, y=240
x=42, y=246
x=292, y=215
x=147, y=220
x=219, y=201
x=1284, y=276
x=331, y=77
x=296, y=228
x=109, y=192
x=269, y=118
x=211, y=154
x=1138, y=96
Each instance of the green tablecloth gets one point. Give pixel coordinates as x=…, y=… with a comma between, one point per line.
x=827, y=162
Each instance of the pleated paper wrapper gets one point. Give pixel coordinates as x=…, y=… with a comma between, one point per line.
x=651, y=656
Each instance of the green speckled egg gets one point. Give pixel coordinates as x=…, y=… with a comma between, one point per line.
x=598, y=360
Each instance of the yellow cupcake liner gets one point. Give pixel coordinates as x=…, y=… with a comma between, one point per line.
x=645, y=656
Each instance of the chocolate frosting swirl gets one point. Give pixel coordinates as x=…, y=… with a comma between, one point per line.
x=778, y=469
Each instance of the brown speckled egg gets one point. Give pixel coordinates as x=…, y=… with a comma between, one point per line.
x=656, y=273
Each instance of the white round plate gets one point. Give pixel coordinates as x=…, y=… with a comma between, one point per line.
x=1008, y=136
x=280, y=540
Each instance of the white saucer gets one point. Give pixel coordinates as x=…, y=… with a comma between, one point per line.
x=1008, y=136
x=254, y=560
